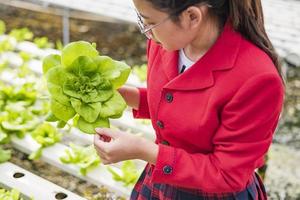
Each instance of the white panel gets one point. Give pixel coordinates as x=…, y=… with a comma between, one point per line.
x=30, y=185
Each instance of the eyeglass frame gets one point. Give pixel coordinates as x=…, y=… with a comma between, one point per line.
x=143, y=28
x=146, y=31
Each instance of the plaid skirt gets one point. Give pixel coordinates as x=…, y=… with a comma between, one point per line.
x=144, y=190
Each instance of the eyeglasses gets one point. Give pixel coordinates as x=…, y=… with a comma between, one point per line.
x=146, y=29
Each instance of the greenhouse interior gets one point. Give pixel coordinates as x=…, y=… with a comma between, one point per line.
x=47, y=147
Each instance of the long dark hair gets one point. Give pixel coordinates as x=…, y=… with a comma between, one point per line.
x=246, y=17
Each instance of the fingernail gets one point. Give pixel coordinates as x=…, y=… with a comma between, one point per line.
x=98, y=129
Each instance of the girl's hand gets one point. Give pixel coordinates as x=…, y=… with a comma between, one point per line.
x=114, y=146
x=131, y=95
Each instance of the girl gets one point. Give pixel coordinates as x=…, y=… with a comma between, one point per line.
x=214, y=96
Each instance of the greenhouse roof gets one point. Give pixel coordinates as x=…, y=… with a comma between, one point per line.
x=118, y=9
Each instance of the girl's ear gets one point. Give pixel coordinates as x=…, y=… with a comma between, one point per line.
x=193, y=16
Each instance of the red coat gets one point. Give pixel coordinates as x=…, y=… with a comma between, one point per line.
x=214, y=122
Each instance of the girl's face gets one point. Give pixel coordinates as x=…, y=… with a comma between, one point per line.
x=172, y=36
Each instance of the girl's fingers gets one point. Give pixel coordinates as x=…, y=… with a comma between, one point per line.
x=104, y=158
x=100, y=144
x=109, y=133
x=102, y=155
x=105, y=138
x=105, y=162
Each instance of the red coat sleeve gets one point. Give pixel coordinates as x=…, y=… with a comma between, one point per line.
x=143, y=110
x=248, y=122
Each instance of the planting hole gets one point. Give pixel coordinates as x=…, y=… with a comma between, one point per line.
x=61, y=195
x=18, y=175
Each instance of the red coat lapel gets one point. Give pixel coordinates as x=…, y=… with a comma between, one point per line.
x=221, y=56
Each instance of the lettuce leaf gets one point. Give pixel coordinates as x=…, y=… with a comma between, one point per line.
x=84, y=83
x=90, y=127
x=76, y=49
x=50, y=61
x=46, y=135
x=85, y=158
x=5, y=155
x=4, y=138
x=10, y=195
x=129, y=173
x=21, y=34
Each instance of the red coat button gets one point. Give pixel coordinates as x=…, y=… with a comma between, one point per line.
x=167, y=169
x=169, y=97
x=160, y=124
x=165, y=142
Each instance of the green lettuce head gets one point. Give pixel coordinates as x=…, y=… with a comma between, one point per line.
x=84, y=84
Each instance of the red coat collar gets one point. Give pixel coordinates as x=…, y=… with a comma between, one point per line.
x=221, y=56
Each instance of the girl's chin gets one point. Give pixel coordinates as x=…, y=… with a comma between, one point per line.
x=164, y=46
x=168, y=48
